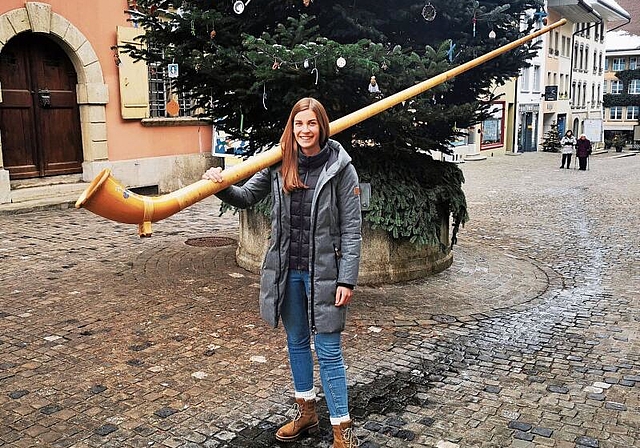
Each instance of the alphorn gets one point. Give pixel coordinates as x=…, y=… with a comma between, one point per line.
x=106, y=197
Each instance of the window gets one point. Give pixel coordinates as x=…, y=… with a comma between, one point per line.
x=633, y=63
x=606, y=64
x=616, y=87
x=615, y=113
x=618, y=64
x=634, y=87
x=536, y=78
x=492, y=128
x=525, y=80
x=633, y=112
x=161, y=92
x=604, y=87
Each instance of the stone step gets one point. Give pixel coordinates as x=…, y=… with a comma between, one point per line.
x=53, y=192
x=26, y=198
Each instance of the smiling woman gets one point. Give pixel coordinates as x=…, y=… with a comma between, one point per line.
x=311, y=266
x=307, y=132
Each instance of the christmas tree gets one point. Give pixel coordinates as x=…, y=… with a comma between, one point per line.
x=247, y=62
x=248, y=68
x=551, y=142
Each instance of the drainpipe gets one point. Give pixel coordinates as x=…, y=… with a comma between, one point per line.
x=516, y=117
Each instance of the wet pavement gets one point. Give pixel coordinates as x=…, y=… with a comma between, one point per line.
x=531, y=338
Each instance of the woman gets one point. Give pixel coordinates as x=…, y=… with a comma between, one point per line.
x=311, y=266
x=568, y=143
x=583, y=151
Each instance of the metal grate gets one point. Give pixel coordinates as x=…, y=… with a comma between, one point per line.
x=210, y=241
x=160, y=92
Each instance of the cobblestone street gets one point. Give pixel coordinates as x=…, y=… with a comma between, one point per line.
x=530, y=339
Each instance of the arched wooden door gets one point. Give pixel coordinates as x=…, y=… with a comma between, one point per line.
x=39, y=116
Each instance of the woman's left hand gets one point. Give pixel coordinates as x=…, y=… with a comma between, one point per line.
x=343, y=295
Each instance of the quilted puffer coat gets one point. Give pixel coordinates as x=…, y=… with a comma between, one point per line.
x=335, y=238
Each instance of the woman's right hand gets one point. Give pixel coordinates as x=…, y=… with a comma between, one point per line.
x=213, y=174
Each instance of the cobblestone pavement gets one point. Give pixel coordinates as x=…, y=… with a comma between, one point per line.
x=530, y=339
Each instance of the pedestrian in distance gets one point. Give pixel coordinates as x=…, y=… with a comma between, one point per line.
x=583, y=151
x=568, y=143
x=311, y=266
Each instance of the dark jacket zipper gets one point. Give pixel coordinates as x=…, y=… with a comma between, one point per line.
x=312, y=255
x=279, y=198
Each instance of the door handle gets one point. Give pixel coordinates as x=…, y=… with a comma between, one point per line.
x=44, y=98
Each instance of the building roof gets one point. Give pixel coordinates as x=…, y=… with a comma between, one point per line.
x=633, y=8
x=610, y=10
x=621, y=40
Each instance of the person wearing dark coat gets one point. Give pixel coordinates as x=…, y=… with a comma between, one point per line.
x=583, y=151
x=311, y=267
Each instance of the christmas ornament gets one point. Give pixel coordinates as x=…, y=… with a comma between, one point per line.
x=492, y=34
x=429, y=12
x=315, y=70
x=452, y=48
x=173, y=108
x=373, y=85
x=212, y=34
x=341, y=62
x=116, y=55
x=384, y=65
x=306, y=2
x=305, y=64
x=264, y=96
x=239, y=5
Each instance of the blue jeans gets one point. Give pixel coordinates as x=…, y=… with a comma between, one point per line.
x=327, y=346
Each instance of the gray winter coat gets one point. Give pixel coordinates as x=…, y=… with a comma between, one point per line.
x=334, y=253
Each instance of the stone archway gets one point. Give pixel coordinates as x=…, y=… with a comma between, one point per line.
x=91, y=91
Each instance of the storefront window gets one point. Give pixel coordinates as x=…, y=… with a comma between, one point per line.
x=492, y=128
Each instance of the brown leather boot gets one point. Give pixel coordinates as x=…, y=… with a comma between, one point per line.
x=304, y=421
x=343, y=436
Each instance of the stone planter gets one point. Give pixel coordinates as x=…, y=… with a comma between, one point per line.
x=383, y=259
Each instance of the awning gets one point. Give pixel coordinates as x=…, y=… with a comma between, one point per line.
x=585, y=11
x=576, y=11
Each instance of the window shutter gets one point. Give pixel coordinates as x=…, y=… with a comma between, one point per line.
x=134, y=77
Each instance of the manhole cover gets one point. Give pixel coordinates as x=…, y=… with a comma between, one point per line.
x=211, y=241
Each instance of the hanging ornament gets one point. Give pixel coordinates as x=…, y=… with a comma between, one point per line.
x=173, y=108
x=264, y=96
x=116, y=55
x=429, y=12
x=384, y=65
x=212, y=34
x=306, y=2
x=305, y=64
x=450, y=52
x=239, y=5
x=473, y=21
x=341, y=62
x=373, y=85
x=315, y=70
x=276, y=65
x=492, y=34
x=193, y=27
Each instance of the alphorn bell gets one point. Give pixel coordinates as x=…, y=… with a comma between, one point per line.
x=109, y=199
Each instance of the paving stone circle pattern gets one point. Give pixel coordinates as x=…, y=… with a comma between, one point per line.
x=530, y=339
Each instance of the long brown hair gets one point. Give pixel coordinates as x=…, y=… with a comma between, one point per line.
x=289, y=145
